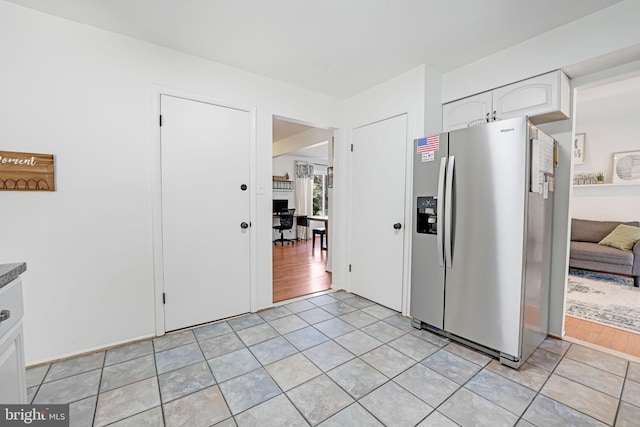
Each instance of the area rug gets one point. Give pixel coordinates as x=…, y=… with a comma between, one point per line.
x=603, y=298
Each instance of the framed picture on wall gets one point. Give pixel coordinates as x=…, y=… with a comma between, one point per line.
x=626, y=168
x=578, y=149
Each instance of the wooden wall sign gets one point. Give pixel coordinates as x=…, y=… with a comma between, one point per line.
x=26, y=172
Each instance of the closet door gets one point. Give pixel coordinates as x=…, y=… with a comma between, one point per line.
x=205, y=162
x=377, y=218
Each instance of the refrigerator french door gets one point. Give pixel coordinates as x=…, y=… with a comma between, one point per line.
x=484, y=235
x=470, y=260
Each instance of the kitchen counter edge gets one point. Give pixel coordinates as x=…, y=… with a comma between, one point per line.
x=9, y=272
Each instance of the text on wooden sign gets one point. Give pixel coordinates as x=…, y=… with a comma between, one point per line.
x=26, y=172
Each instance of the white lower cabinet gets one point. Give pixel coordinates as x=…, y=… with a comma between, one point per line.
x=544, y=98
x=13, y=376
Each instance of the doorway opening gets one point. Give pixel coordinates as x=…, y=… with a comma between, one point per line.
x=602, y=307
x=302, y=180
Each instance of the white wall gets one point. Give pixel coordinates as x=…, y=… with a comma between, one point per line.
x=285, y=165
x=606, y=203
x=608, y=116
x=433, y=106
x=85, y=95
x=608, y=30
x=404, y=94
x=571, y=44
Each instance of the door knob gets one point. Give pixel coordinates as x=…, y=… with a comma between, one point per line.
x=244, y=225
x=397, y=226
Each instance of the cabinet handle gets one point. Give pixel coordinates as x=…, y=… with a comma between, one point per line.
x=4, y=315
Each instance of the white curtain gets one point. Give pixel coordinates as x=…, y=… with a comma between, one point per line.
x=304, y=195
x=304, y=188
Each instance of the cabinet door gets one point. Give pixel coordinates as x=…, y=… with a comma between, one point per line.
x=458, y=114
x=12, y=370
x=13, y=384
x=538, y=96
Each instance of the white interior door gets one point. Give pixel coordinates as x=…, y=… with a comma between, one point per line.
x=377, y=200
x=205, y=161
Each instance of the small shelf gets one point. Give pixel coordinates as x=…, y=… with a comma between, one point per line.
x=282, y=185
x=605, y=185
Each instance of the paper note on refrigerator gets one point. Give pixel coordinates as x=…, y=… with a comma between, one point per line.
x=429, y=156
x=541, y=163
x=546, y=153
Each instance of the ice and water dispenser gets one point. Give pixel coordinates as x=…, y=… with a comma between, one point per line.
x=427, y=218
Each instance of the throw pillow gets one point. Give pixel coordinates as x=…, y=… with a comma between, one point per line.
x=622, y=237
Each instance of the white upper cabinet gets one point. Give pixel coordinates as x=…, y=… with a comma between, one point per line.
x=543, y=98
x=459, y=114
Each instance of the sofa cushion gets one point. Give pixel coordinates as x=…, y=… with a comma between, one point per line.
x=584, y=230
x=623, y=237
x=594, y=252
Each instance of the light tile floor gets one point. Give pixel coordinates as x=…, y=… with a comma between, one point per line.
x=335, y=360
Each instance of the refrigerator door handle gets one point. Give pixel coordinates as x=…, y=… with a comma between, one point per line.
x=440, y=210
x=448, y=212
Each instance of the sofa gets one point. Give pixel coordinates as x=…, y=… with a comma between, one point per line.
x=586, y=253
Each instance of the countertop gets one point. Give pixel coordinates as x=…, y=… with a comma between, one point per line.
x=8, y=272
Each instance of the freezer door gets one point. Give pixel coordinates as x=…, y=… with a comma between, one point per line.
x=488, y=199
x=427, y=268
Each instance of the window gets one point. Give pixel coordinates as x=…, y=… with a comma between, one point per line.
x=320, y=193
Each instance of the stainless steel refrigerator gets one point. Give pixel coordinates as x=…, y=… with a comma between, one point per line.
x=483, y=200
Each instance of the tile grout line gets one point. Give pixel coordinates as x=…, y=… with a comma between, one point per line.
x=460, y=386
x=388, y=379
x=427, y=367
x=322, y=372
x=551, y=373
x=325, y=373
x=538, y=392
x=588, y=386
x=624, y=380
x=224, y=398
x=155, y=365
x=95, y=408
x=41, y=383
x=624, y=383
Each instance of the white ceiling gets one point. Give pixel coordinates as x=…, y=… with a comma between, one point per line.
x=317, y=152
x=284, y=129
x=335, y=47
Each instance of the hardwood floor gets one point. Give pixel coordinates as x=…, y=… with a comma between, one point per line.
x=604, y=336
x=297, y=270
